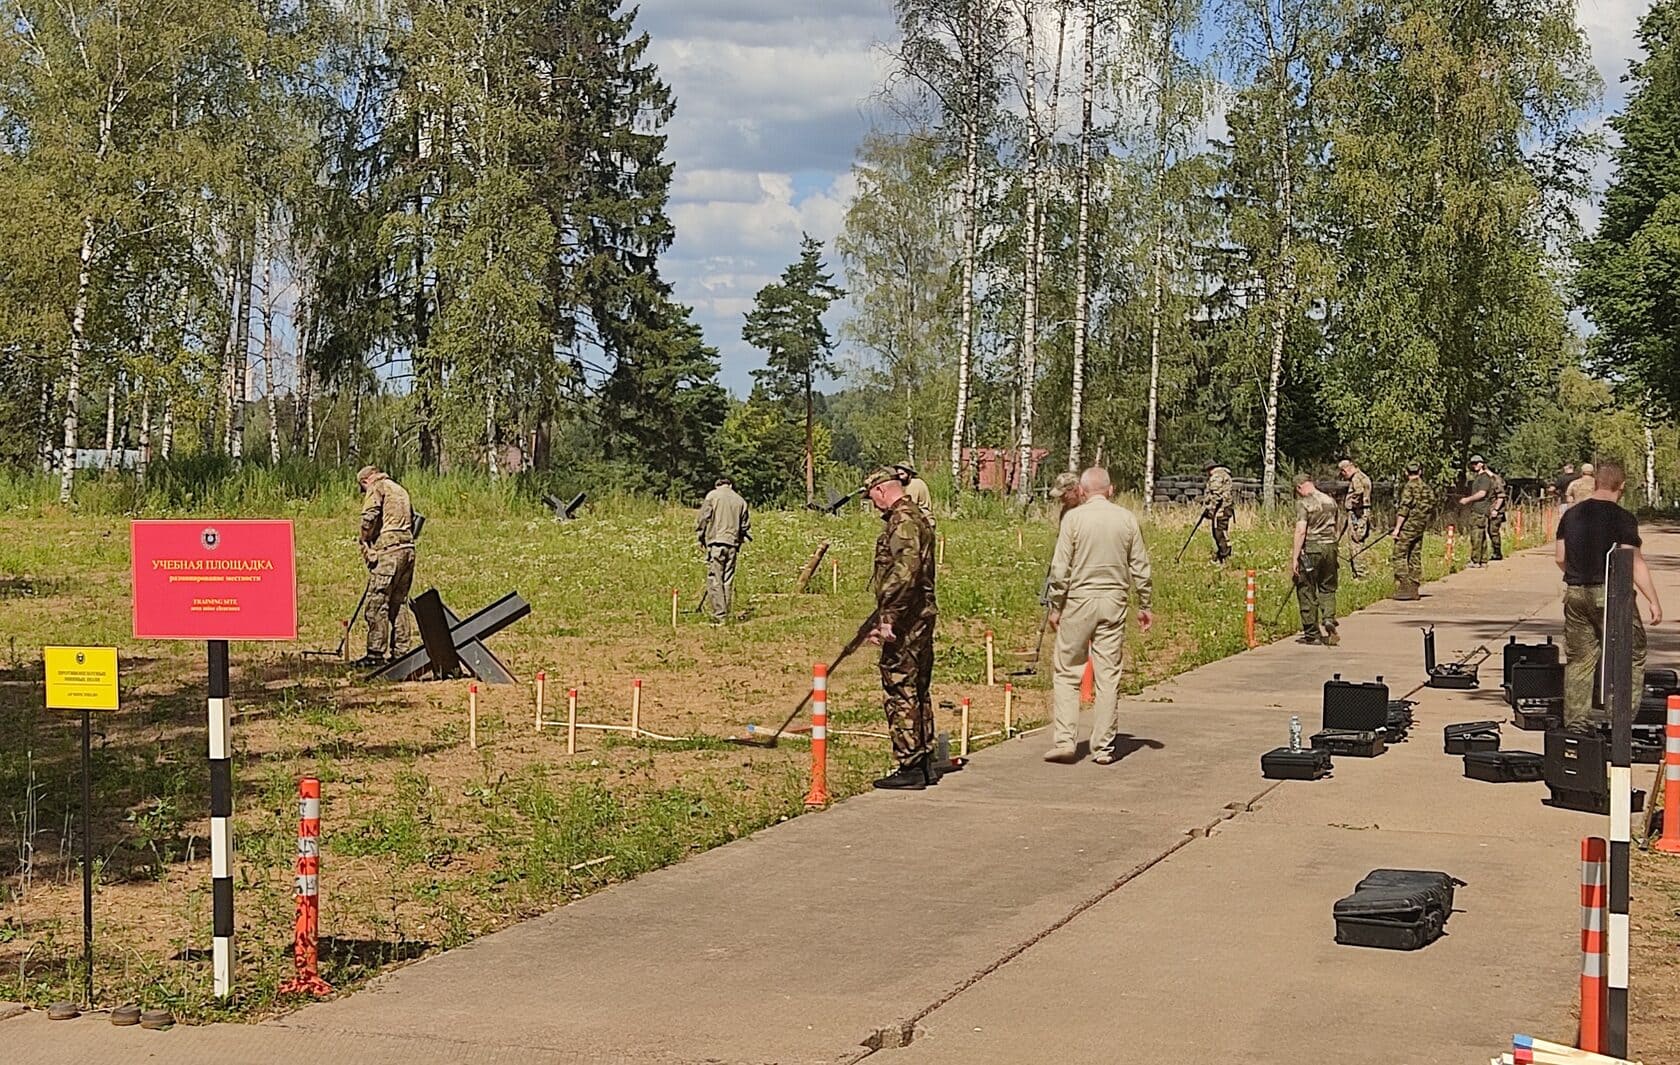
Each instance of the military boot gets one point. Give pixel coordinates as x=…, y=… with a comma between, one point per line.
x=1406, y=591
x=931, y=770
x=908, y=777
x=1331, y=636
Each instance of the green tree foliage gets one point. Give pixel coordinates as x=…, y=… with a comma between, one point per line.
x=786, y=323
x=1629, y=275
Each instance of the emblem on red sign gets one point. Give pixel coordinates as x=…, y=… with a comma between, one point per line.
x=235, y=580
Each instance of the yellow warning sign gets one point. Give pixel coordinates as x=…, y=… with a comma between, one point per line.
x=81, y=678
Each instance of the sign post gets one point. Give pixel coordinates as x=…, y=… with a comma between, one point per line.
x=84, y=679
x=1620, y=614
x=216, y=581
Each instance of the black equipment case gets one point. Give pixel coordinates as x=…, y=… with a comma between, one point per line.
x=1504, y=767
x=1471, y=736
x=1395, y=909
x=1536, y=695
x=1545, y=654
x=1355, y=707
x=1304, y=764
x=1653, y=700
x=1353, y=744
x=1458, y=676
x=1576, y=775
x=1648, y=743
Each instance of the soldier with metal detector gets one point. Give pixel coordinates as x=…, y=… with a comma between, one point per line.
x=387, y=542
x=1411, y=521
x=1218, y=507
x=1358, y=506
x=905, y=612
x=1314, y=562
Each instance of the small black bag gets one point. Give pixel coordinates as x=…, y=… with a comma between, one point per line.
x=1504, y=767
x=1285, y=764
x=1471, y=736
x=1353, y=744
x=1396, y=909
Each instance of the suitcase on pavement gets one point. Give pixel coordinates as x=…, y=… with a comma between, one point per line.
x=1653, y=699
x=1648, y=743
x=1304, y=764
x=1395, y=909
x=1350, y=743
x=1471, y=736
x=1537, y=653
x=1536, y=695
x=1353, y=706
x=1458, y=676
x=1399, y=726
x=1505, y=767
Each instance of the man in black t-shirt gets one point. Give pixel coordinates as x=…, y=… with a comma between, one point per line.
x=1565, y=478
x=1586, y=534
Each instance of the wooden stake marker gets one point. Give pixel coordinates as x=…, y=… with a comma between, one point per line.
x=991, y=662
x=542, y=678
x=472, y=716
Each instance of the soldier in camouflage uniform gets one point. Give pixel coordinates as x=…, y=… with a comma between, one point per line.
x=1358, y=506
x=1315, y=564
x=1496, y=518
x=387, y=540
x=1219, y=504
x=1480, y=501
x=1411, y=521
x=905, y=610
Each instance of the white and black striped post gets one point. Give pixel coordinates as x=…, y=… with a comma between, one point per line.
x=221, y=820
x=1619, y=618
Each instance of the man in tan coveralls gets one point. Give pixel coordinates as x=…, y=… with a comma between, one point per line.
x=917, y=490
x=1581, y=488
x=1100, y=564
x=387, y=541
x=721, y=528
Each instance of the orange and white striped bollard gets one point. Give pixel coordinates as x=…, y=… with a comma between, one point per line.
x=1670, y=841
x=307, y=931
x=1595, y=904
x=1248, y=612
x=818, y=795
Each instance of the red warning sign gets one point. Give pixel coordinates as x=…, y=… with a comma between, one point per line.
x=214, y=580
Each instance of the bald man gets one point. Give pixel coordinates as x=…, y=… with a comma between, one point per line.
x=1100, y=565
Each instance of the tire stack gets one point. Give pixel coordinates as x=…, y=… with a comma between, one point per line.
x=1186, y=489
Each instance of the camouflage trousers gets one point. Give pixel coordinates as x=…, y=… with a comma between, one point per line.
x=906, y=680
x=1221, y=523
x=387, y=601
x=1316, y=587
x=1408, y=559
x=1359, y=530
x=1478, y=537
x=1583, y=642
x=720, y=579
x=1496, y=535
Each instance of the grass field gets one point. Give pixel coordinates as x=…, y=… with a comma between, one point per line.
x=427, y=844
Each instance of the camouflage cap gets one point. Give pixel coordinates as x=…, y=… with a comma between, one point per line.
x=1477, y=460
x=365, y=472
x=1064, y=482
x=1414, y=467
x=880, y=476
x=1303, y=478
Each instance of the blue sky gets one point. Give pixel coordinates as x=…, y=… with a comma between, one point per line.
x=773, y=97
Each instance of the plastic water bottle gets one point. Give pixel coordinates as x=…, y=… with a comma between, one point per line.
x=1295, y=732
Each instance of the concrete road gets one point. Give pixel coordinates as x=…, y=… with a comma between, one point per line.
x=1172, y=907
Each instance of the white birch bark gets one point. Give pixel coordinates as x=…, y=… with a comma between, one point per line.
x=1082, y=253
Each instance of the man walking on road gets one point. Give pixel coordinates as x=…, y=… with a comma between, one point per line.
x=1220, y=505
x=1480, y=501
x=905, y=612
x=1584, y=538
x=722, y=527
x=1358, y=504
x=1100, y=565
x=1313, y=562
x=387, y=540
x=1411, y=520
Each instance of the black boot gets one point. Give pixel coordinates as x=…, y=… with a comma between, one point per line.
x=908, y=777
x=931, y=771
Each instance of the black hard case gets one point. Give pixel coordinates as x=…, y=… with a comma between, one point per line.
x=1470, y=736
x=1504, y=767
x=1659, y=684
x=1355, y=707
x=1352, y=744
x=1454, y=675
x=1395, y=909
x=1285, y=764
x=1538, y=653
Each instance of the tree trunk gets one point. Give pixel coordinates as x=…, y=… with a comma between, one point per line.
x=494, y=466
x=78, y=350
x=1082, y=240
x=302, y=405
x=242, y=352
x=110, y=424
x=810, y=442
x=43, y=436
x=1652, y=496
x=268, y=345
x=1030, y=250
x=352, y=445
x=1157, y=258
x=167, y=444
x=1284, y=282
x=971, y=236
x=145, y=457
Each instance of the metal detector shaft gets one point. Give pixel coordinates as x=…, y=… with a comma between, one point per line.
x=1193, y=530
x=1370, y=545
x=845, y=652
